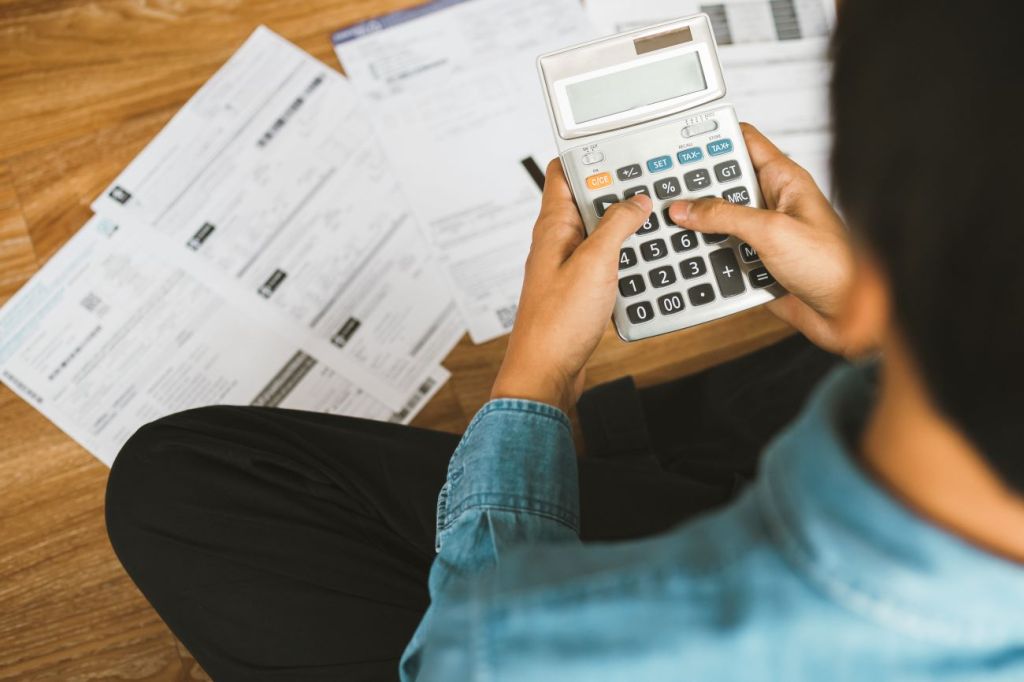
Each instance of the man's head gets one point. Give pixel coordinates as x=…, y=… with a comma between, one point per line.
x=929, y=169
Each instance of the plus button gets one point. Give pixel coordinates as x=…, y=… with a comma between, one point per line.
x=727, y=271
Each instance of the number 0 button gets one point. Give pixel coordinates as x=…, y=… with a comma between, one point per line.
x=640, y=312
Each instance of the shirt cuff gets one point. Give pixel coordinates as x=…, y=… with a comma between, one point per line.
x=516, y=456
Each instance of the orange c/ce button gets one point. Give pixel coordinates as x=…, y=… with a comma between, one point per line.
x=600, y=180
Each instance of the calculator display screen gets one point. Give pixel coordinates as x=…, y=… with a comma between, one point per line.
x=628, y=89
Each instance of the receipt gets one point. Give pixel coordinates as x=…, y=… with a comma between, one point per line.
x=774, y=56
x=109, y=335
x=457, y=103
x=271, y=184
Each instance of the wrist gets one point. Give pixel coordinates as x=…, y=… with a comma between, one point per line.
x=536, y=386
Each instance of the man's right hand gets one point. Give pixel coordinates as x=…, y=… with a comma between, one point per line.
x=799, y=238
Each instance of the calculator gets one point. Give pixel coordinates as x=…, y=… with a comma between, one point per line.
x=639, y=113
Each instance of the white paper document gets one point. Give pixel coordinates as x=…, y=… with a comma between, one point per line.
x=270, y=187
x=774, y=55
x=457, y=103
x=110, y=335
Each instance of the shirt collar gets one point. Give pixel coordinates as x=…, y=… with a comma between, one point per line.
x=865, y=549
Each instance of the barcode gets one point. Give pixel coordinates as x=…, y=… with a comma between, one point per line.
x=507, y=316
x=421, y=392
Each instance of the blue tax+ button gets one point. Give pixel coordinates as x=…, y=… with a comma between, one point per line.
x=719, y=147
x=659, y=164
x=690, y=155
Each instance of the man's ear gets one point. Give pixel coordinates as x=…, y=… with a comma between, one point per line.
x=866, y=318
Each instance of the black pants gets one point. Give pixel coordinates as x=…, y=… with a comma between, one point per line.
x=281, y=545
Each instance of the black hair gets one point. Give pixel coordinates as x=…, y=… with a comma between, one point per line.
x=928, y=163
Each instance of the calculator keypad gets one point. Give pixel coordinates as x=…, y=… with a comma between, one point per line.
x=670, y=273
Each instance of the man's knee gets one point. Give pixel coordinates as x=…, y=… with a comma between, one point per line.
x=149, y=469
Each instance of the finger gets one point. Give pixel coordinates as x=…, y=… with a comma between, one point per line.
x=559, y=228
x=762, y=150
x=619, y=222
x=717, y=216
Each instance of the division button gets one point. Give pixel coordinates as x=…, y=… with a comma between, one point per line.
x=697, y=179
x=727, y=272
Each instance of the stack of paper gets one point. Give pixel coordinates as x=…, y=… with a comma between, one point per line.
x=258, y=251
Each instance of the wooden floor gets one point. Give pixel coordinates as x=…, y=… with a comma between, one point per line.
x=83, y=86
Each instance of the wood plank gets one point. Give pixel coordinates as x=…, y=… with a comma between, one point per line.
x=17, y=255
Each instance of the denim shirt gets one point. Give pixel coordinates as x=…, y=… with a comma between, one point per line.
x=814, y=573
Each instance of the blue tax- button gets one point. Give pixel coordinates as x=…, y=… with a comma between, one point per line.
x=719, y=147
x=690, y=155
x=659, y=164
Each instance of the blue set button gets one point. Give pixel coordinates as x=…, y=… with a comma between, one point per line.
x=719, y=147
x=690, y=155
x=659, y=164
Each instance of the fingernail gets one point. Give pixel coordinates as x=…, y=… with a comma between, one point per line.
x=641, y=200
x=680, y=211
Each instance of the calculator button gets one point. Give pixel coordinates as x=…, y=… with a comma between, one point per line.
x=727, y=171
x=592, y=158
x=737, y=195
x=670, y=303
x=668, y=217
x=700, y=128
x=659, y=164
x=627, y=258
x=602, y=204
x=727, y=272
x=714, y=238
x=690, y=155
x=693, y=267
x=701, y=294
x=684, y=240
x=663, y=276
x=629, y=172
x=719, y=147
x=667, y=188
x=697, y=179
x=650, y=226
x=748, y=254
x=633, y=191
x=653, y=250
x=599, y=181
x=640, y=312
x=632, y=285
x=761, y=278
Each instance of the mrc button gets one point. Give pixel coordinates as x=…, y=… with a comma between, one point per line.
x=727, y=171
x=737, y=195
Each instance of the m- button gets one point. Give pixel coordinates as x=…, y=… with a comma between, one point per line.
x=727, y=170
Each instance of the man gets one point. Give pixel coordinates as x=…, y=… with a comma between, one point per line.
x=882, y=538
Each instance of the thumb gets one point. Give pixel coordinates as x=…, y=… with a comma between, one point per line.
x=717, y=216
x=620, y=221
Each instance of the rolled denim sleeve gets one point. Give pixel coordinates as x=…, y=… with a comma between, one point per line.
x=516, y=458
x=512, y=481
